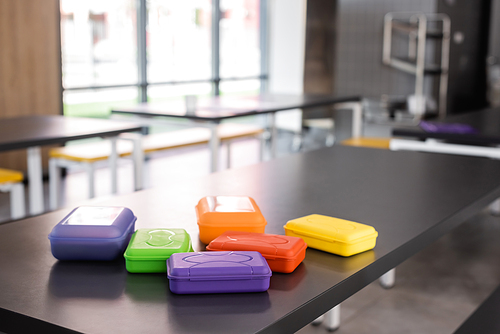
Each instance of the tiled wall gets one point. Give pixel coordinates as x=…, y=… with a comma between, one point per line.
x=494, y=51
x=495, y=29
x=359, y=68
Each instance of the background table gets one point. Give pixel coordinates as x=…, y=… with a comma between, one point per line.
x=214, y=110
x=31, y=132
x=483, y=142
x=411, y=199
x=485, y=121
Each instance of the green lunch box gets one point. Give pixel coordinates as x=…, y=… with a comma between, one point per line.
x=149, y=249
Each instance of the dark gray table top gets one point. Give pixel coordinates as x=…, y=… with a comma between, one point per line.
x=486, y=122
x=411, y=199
x=224, y=107
x=23, y=132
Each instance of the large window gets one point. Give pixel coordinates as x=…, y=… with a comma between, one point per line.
x=117, y=52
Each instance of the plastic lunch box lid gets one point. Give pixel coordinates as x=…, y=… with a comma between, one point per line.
x=228, y=211
x=330, y=228
x=218, y=266
x=157, y=243
x=269, y=245
x=94, y=222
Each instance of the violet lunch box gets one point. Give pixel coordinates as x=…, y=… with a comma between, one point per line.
x=218, y=272
x=92, y=233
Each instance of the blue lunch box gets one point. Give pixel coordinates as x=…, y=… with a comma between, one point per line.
x=92, y=233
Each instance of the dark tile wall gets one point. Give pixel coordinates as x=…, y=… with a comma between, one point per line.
x=495, y=29
x=358, y=67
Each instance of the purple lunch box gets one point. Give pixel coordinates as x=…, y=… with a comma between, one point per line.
x=218, y=272
x=92, y=233
x=436, y=127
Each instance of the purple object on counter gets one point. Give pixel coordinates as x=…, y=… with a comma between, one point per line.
x=92, y=233
x=459, y=128
x=218, y=272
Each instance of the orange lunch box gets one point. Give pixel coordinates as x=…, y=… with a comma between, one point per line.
x=218, y=214
x=283, y=253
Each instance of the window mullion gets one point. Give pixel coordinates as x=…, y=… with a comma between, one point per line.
x=141, y=50
x=216, y=46
x=264, y=65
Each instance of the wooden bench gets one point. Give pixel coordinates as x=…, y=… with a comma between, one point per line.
x=485, y=319
x=11, y=181
x=86, y=155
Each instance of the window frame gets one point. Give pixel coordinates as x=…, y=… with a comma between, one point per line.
x=142, y=83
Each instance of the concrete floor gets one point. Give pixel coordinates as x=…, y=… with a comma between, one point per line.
x=435, y=291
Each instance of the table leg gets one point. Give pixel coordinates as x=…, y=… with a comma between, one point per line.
x=273, y=132
x=91, y=178
x=54, y=183
x=388, y=279
x=17, y=209
x=495, y=207
x=357, y=119
x=228, y=155
x=318, y=320
x=357, y=116
x=330, y=137
x=35, y=178
x=113, y=165
x=137, y=158
x=332, y=318
x=214, y=147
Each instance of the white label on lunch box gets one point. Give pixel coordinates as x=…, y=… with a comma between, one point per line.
x=230, y=204
x=102, y=216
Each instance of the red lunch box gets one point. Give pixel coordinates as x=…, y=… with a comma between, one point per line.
x=283, y=253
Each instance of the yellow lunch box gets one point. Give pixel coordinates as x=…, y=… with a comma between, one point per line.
x=333, y=235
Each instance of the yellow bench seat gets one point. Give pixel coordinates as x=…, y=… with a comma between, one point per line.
x=371, y=142
x=93, y=152
x=86, y=155
x=11, y=181
x=9, y=175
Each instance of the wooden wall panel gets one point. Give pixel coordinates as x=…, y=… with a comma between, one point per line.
x=30, y=64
